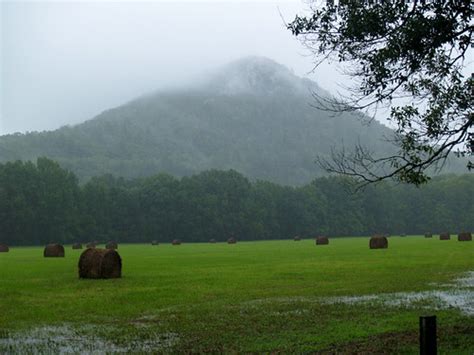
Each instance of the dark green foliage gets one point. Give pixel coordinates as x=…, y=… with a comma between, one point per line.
x=38, y=203
x=41, y=202
x=414, y=50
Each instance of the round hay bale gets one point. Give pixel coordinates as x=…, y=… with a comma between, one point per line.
x=154, y=242
x=231, y=240
x=176, y=242
x=444, y=236
x=296, y=238
x=91, y=245
x=465, y=237
x=321, y=240
x=4, y=248
x=212, y=240
x=378, y=242
x=428, y=235
x=77, y=246
x=100, y=264
x=54, y=251
x=111, y=245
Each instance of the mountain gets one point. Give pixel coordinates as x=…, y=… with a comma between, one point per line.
x=253, y=115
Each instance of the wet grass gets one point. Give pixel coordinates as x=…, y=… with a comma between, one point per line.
x=254, y=296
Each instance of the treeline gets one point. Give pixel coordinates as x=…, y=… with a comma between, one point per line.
x=41, y=203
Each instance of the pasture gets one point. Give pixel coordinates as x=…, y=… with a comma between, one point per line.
x=265, y=296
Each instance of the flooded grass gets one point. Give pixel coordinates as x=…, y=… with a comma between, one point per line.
x=459, y=295
x=66, y=339
x=250, y=297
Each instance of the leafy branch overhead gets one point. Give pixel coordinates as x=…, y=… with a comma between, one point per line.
x=410, y=57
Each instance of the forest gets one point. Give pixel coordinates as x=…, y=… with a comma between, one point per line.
x=41, y=202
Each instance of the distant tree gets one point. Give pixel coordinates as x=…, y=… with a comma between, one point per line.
x=406, y=56
x=159, y=201
x=38, y=203
x=57, y=194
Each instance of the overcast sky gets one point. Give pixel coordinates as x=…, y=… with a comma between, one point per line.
x=65, y=62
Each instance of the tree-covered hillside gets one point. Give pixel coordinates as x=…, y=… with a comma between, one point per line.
x=254, y=116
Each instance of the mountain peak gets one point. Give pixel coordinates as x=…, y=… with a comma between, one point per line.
x=258, y=64
x=258, y=75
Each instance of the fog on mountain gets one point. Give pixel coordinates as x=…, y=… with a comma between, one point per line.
x=253, y=115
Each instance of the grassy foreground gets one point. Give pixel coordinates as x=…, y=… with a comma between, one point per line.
x=249, y=297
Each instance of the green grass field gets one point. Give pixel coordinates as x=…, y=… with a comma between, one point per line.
x=249, y=297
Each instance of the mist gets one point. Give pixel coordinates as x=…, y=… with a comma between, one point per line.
x=65, y=62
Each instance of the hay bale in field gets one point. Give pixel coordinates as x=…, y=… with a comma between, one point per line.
x=465, y=237
x=231, y=240
x=428, y=235
x=212, y=240
x=321, y=240
x=176, y=242
x=4, y=248
x=154, y=242
x=111, y=245
x=54, y=251
x=77, y=246
x=444, y=236
x=378, y=242
x=91, y=245
x=296, y=238
x=100, y=264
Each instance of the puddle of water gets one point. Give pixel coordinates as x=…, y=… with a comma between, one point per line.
x=466, y=281
x=460, y=299
x=296, y=312
x=459, y=294
x=67, y=340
